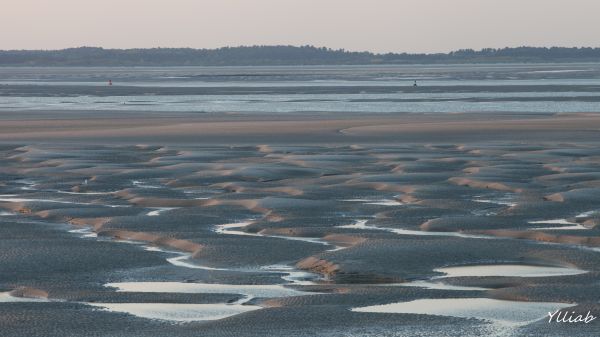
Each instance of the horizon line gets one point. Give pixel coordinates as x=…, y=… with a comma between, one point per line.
x=305, y=45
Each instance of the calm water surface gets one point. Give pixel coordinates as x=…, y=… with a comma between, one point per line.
x=543, y=88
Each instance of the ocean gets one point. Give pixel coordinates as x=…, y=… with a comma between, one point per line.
x=518, y=88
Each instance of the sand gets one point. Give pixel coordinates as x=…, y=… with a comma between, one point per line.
x=130, y=128
x=255, y=225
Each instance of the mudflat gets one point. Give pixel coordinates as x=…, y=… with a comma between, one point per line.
x=180, y=223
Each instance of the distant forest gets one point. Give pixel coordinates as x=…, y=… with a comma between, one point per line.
x=282, y=55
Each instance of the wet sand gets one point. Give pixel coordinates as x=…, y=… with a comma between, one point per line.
x=188, y=128
x=133, y=224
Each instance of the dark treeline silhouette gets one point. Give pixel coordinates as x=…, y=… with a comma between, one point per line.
x=281, y=55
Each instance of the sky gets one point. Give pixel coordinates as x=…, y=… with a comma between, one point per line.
x=373, y=25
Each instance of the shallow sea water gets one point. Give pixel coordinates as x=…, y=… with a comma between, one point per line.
x=518, y=88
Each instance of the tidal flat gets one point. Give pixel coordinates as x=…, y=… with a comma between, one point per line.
x=298, y=223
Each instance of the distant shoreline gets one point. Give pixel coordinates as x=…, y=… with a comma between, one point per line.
x=284, y=56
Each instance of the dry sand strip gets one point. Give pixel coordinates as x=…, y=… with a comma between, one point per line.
x=104, y=127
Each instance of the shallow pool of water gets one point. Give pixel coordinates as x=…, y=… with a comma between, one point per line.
x=509, y=270
x=251, y=291
x=178, y=312
x=511, y=312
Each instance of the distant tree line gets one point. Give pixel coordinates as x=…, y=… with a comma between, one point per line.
x=282, y=55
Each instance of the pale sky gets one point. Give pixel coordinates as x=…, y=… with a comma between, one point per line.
x=375, y=25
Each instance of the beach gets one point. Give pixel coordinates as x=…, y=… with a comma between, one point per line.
x=289, y=218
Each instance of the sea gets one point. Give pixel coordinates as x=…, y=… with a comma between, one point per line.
x=385, y=89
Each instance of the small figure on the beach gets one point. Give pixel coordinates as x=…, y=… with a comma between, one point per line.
x=109, y=82
x=415, y=84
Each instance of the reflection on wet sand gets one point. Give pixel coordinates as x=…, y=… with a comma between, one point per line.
x=504, y=312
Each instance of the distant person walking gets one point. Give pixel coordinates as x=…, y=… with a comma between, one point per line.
x=109, y=82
